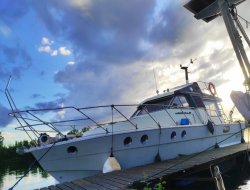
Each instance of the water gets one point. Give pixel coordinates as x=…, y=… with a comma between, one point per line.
x=10, y=173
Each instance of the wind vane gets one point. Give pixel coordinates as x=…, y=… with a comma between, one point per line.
x=185, y=68
x=209, y=10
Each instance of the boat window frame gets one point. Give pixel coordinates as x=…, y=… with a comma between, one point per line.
x=127, y=141
x=72, y=150
x=173, y=135
x=147, y=107
x=144, y=139
x=181, y=104
x=212, y=112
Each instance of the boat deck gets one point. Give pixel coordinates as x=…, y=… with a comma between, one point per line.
x=127, y=179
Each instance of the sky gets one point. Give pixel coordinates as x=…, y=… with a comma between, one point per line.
x=83, y=53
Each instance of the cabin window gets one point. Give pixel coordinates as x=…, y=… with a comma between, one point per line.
x=153, y=106
x=211, y=108
x=127, y=141
x=180, y=101
x=173, y=135
x=72, y=149
x=144, y=139
x=198, y=101
x=183, y=134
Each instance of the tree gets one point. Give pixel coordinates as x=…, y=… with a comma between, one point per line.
x=1, y=139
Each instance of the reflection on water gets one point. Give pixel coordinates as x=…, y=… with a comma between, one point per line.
x=10, y=172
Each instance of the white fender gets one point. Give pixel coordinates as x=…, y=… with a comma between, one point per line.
x=111, y=164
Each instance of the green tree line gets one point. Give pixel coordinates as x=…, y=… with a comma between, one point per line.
x=8, y=152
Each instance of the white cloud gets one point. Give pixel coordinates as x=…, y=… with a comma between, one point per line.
x=80, y=4
x=62, y=112
x=46, y=49
x=71, y=63
x=64, y=51
x=54, y=53
x=46, y=41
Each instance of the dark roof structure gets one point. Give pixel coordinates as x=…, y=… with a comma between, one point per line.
x=207, y=10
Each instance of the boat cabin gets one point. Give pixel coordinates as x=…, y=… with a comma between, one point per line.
x=182, y=97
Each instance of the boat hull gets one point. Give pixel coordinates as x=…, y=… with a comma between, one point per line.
x=171, y=142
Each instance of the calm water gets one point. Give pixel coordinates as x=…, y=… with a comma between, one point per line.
x=36, y=178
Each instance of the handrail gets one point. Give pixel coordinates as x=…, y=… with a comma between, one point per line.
x=135, y=125
x=79, y=110
x=33, y=113
x=158, y=124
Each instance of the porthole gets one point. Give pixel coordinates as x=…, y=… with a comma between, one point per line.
x=173, y=135
x=127, y=141
x=44, y=138
x=72, y=149
x=183, y=133
x=144, y=139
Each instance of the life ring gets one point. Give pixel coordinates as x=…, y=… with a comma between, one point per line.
x=212, y=89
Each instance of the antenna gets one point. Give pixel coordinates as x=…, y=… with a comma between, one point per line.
x=185, y=68
x=209, y=10
x=156, y=88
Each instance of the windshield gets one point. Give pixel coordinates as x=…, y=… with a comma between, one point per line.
x=153, y=106
x=179, y=101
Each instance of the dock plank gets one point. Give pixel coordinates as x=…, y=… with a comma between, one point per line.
x=62, y=187
x=87, y=185
x=53, y=188
x=107, y=184
x=125, y=178
x=73, y=186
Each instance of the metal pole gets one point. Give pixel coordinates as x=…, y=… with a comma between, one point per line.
x=242, y=30
x=231, y=30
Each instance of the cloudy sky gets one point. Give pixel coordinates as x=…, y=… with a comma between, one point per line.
x=83, y=52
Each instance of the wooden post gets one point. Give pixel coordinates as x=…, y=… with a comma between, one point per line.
x=215, y=171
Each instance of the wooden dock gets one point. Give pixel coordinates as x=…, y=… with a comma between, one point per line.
x=127, y=179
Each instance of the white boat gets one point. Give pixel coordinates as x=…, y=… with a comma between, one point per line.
x=182, y=121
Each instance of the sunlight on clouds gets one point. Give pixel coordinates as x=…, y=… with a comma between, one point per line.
x=64, y=51
x=54, y=53
x=46, y=41
x=211, y=46
x=46, y=48
x=235, y=82
x=62, y=112
x=82, y=4
x=71, y=63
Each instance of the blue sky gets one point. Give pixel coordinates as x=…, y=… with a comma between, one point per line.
x=83, y=52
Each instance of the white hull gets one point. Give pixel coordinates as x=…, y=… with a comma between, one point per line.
x=92, y=153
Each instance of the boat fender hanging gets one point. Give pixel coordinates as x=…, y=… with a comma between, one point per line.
x=111, y=164
x=210, y=127
x=212, y=89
